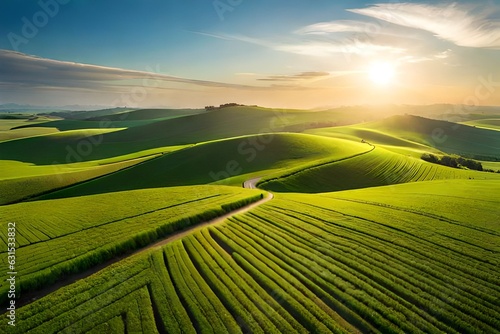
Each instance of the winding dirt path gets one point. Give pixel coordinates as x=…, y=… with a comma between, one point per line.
x=29, y=297
x=252, y=183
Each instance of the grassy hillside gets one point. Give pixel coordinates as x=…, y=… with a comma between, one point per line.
x=490, y=123
x=239, y=121
x=147, y=114
x=64, y=236
x=84, y=114
x=70, y=124
x=7, y=124
x=210, y=162
x=68, y=147
x=445, y=136
x=417, y=133
x=376, y=168
x=343, y=262
x=15, y=189
x=224, y=123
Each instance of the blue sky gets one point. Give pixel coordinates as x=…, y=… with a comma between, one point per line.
x=294, y=53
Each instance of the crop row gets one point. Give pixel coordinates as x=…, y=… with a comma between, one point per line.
x=375, y=168
x=297, y=264
x=452, y=296
x=43, y=263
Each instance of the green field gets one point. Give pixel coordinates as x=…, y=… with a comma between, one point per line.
x=376, y=168
x=14, y=189
x=141, y=224
x=422, y=134
x=229, y=161
x=488, y=123
x=47, y=230
x=353, y=261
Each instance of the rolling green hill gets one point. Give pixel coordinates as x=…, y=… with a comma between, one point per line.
x=21, y=188
x=219, y=124
x=83, y=114
x=239, y=121
x=343, y=262
x=212, y=161
x=147, y=114
x=360, y=236
x=71, y=124
x=120, y=119
x=376, y=168
x=417, y=132
x=490, y=123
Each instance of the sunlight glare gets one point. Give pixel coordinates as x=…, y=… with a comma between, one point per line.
x=382, y=73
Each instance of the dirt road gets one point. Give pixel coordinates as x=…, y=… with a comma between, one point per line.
x=29, y=297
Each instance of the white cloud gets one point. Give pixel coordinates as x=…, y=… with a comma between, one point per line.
x=323, y=28
x=464, y=25
x=413, y=59
x=317, y=48
x=322, y=49
x=443, y=55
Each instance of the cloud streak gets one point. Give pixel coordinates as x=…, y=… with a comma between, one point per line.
x=304, y=76
x=464, y=25
x=311, y=47
x=25, y=71
x=339, y=26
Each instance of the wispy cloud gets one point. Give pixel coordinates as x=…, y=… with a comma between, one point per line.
x=304, y=76
x=443, y=55
x=311, y=47
x=413, y=59
x=464, y=25
x=23, y=70
x=348, y=46
x=323, y=28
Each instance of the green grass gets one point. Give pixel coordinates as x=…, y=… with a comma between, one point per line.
x=382, y=254
x=61, y=176
x=84, y=114
x=65, y=236
x=207, y=126
x=494, y=165
x=352, y=261
x=7, y=134
x=383, y=139
x=148, y=114
x=376, y=168
x=233, y=122
x=26, y=132
x=16, y=169
x=70, y=124
x=236, y=158
x=489, y=123
x=215, y=125
x=418, y=133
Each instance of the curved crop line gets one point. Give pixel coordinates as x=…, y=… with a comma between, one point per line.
x=364, y=242
x=412, y=236
x=71, y=277
x=119, y=220
x=313, y=167
x=429, y=215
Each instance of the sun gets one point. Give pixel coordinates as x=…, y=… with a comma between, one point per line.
x=382, y=73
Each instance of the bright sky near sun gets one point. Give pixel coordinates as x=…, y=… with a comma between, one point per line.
x=293, y=53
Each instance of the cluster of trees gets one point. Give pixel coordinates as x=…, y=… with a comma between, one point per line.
x=226, y=105
x=455, y=162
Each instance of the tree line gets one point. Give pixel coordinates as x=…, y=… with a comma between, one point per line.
x=455, y=162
